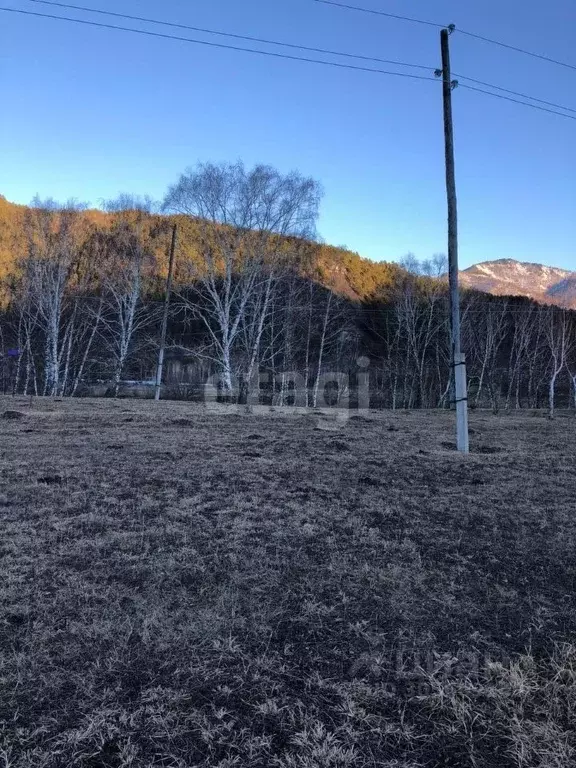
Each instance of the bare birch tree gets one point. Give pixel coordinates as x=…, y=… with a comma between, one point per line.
x=240, y=215
x=559, y=341
x=46, y=272
x=489, y=328
x=122, y=279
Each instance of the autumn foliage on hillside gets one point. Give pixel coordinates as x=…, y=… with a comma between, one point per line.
x=338, y=268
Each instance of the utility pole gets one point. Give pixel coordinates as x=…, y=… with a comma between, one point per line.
x=160, y=367
x=458, y=359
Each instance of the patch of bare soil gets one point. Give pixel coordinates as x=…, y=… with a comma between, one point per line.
x=13, y=415
x=186, y=587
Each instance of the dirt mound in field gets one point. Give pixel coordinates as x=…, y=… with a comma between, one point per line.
x=13, y=415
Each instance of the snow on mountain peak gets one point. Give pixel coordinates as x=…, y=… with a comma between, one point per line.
x=537, y=281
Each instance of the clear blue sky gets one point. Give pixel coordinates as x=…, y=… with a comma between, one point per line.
x=88, y=113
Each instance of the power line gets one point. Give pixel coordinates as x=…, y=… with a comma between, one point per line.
x=276, y=55
x=453, y=28
x=289, y=45
x=161, y=35
x=232, y=35
x=517, y=101
x=513, y=93
x=518, y=50
x=381, y=13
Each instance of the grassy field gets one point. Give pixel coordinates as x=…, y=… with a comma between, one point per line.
x=186, y=588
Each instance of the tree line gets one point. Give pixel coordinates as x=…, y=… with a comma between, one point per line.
x=259, y=308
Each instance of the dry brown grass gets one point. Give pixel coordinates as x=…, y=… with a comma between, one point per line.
x=185, y=588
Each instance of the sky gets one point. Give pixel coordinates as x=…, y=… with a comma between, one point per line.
x=88, y=113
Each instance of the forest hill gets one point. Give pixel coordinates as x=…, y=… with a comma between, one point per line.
x=82, y=294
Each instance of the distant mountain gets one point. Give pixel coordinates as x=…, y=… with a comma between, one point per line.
x=506, y=277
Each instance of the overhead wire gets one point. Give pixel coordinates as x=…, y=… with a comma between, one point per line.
x=211, y=44
x=249, y=38
x=524, y=51
x=290, y=57
x=517, y=101
x=513, y=93
x=312, y=49
x=381, y=13
x=549, y=59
